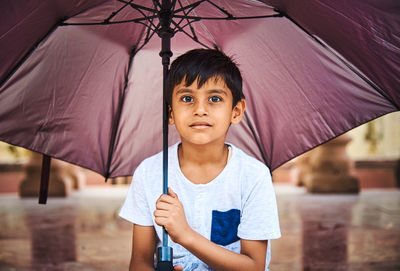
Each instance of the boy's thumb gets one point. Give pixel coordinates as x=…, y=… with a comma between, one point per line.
x=172, y=193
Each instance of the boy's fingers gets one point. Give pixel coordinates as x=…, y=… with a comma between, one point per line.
x=165, y=198
x=172, y=193
x=161, y=221
x=178, y=268
x=161, y=213
x=163, y=205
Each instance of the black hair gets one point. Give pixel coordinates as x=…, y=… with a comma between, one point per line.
x=201, y=65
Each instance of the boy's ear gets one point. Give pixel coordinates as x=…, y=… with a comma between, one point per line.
x=170, y=116
x=238, y=111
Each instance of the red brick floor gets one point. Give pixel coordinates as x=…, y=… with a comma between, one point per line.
x=319, y=232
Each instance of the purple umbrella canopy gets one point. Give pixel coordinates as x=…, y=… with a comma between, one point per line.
x=81, y=80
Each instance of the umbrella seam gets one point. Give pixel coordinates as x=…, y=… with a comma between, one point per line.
x=29, y=53
x=260, y=2
x=19, y=23
x=119, y=113
x=339, y=57
x=256, y=137
x=204, y=27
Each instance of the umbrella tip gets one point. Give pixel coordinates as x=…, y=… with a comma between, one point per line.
x=279, y=12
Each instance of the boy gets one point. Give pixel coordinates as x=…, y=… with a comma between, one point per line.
x=220, y=210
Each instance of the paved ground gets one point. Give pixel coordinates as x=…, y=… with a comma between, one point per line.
x=84, y=232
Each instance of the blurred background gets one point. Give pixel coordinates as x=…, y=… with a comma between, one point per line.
x=339, y=207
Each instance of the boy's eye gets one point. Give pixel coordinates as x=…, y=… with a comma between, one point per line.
x=214, y=99
x=187, y=99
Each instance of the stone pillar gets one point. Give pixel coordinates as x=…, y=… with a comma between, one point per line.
x=121, y=180
x=63, y=178
x=327, y=168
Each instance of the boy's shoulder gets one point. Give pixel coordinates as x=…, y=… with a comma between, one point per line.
x=154, y=162
x=152, y=158
x=244, y=162
x=151, y=162
x=248, y=163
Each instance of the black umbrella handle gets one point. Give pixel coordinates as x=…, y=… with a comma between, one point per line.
x=164, y=259
x=164, y=266
x=164, y=253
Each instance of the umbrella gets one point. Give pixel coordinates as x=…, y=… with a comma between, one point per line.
x=81, y=80
x=79, y=84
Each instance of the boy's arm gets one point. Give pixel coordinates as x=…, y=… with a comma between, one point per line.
x=143, y=248
x=170, y=214
x=251, y=257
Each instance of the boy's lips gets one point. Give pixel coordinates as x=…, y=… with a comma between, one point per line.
x=200, y=125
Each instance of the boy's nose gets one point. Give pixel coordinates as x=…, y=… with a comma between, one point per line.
x=200, y=109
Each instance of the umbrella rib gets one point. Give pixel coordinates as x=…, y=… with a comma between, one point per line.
x=364, y=78
x=196, y=18
x=148, y=36
x=188, y=21
x=191, y=6
x=138, y=7
x=118, y=11
x=253, y=133
x=180, y=28
x=147, y=39
x=180, y=4
x=136, y=20
x=185, y=12
x=110, y=23
x=156, y=4
x=173, y=4
x=29, y=53
x=191, y=19
x=149, y=18
x=115, y=128
x=116, y=125
x=221, y=9
x=147, y=26
x=187, y=34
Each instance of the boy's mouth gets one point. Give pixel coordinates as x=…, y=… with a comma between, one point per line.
x=200, y=125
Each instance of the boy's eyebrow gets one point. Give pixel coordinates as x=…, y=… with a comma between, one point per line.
x=218, y=91
x=184, y=90
x=187, y=90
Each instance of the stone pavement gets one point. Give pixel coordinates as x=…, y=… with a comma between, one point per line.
x=319, y=232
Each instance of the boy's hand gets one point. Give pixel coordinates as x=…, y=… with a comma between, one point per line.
x=170, y=214
x=178, y=268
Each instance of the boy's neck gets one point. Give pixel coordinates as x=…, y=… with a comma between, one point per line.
x=202, y=154
x=202, y=164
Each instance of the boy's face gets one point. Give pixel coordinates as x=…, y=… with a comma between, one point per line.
x=203, y=115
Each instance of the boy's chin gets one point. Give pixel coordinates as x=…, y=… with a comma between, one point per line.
x=203, y=142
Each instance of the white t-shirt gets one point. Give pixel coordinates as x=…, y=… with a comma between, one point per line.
x=239, y=203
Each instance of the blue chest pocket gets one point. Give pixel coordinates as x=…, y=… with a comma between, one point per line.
x=224, y=226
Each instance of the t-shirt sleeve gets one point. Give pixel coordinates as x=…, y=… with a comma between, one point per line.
x=259, y=218
x=136, y=208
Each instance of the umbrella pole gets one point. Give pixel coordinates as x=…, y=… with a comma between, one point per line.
x=164, y=253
